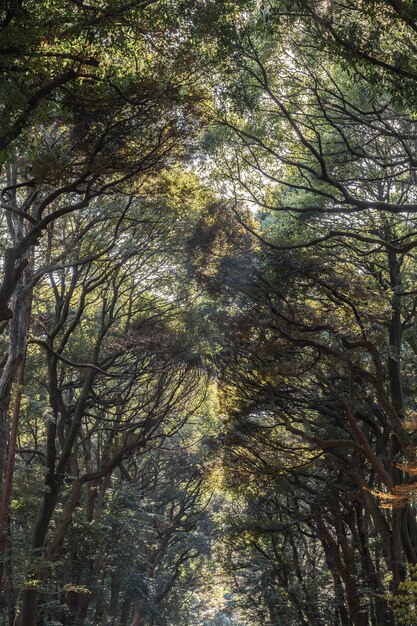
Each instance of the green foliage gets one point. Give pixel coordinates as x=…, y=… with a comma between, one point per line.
x=217, y=204
x=404, y=601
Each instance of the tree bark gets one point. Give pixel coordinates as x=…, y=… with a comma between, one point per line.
x=8, y=481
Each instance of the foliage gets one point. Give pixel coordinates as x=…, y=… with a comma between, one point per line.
x=207, y=313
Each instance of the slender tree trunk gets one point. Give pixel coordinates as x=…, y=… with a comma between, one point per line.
x=98, y=614
x=8, y=480
x=138, y=619
x=18, y=331
x=9, y=588
x=53, y=482
x=126, y=608
x=83, y=605
x=404, y=527
x=331, y=547
x=114, y=599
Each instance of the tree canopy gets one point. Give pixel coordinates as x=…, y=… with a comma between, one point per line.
x=208, y=392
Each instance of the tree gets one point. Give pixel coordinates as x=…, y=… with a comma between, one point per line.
x=320, y=348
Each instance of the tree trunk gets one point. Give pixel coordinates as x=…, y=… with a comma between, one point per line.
x=126, y=607
x=8, y=481
x=138, y=619
x=18, y=331
x=53, y=483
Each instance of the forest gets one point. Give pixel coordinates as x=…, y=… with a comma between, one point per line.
x=208, y=309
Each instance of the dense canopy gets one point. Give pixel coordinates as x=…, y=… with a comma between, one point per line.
x=208, y=307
